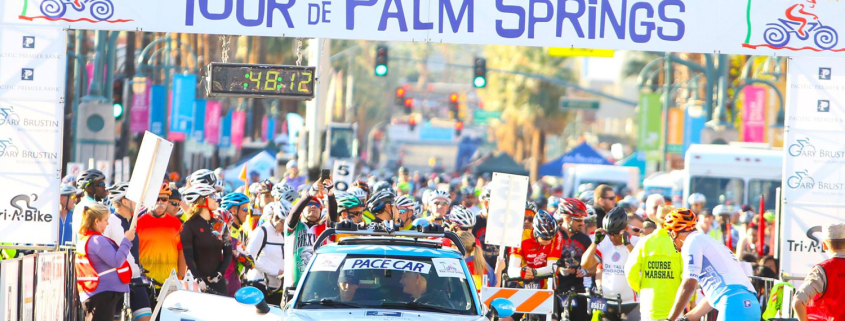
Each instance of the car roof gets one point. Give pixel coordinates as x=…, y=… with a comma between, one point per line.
x=386, y=248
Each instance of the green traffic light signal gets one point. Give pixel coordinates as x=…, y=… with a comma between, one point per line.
x=118, y=111
x=479, y=82
x=381, y=70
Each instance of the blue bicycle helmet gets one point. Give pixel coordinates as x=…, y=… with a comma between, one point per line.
x=234, y=199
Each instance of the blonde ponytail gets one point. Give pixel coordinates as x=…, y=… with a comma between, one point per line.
x=480, y=265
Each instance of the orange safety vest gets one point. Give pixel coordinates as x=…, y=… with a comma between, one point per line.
x=87, y=278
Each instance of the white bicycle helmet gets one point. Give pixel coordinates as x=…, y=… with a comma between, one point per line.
x=462, y=217
x=117, y=191
x=66, y=190
x=195, y=192
x=418, y=209
x=439, y=194
x=696, y=198
x=280, y=191
x=203, y=176
x=404, y=202
x=359, y=193
x=281, y=209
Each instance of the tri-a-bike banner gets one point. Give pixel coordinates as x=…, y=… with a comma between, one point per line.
x=750, y=27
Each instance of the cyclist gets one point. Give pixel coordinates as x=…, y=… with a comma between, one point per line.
x=280, y=192
x=654, y=269
x=538, y=254
x=438, y=205
x=575, y=243
x=302, y=230
x=469, y=200
x=705, y=260
x=92, y=184
x=267, y=246
x=261, y=198
x=205, y=176
x=350, y=207
x=610, y=254
x=697, y=201
x=405, y=208
x=528, y=219
x=119, y=224
x=460, y=219
x=205, y=239
x=236, y=206
x=67, y=200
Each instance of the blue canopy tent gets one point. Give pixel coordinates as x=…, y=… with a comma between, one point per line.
x=581, y=154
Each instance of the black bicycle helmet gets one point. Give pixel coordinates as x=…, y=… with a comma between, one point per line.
x=88, y=177
x=545, y=225
x=379, y=200
x=615, y=221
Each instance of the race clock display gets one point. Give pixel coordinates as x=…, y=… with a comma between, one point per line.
x=262, y=81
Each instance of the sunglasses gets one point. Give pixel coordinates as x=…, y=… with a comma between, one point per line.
x=529, y=218
x=547, y=240
x=100, y=184
x=174, y=203
x=162, y=199
x=352, y=214
x=635, y=229
x=314, y=204
x=439, y=203
x=609, y=198
x=244, y=209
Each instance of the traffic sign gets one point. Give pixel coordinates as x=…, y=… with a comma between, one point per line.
x=580, y=52
x=481, y=116
x=578, y=103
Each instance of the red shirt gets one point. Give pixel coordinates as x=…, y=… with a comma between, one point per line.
x=535, y=255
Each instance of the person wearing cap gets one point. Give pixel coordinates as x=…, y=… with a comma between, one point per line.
x=292, y=176
x=67, y=200
x=347, y=285
x=159, y=243
x=654, y=270
x=174, y=204
x=818, y=297
x=405, y=177
x=697, y=201
x=470, y=200
x=302, y=230
x=705, y=225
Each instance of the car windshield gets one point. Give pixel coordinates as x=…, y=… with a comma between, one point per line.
x=714, y=188
x=386, y=282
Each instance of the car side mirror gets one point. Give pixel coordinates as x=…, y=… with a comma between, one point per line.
x=252, y=296
x=501, y=308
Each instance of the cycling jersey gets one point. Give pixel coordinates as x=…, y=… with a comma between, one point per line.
x=536, y=256
x=267, y=248
x=300, y=248
x=713, y=266
x=573, y=247
x=613, y=281
x=654, y=271
x=208, y=249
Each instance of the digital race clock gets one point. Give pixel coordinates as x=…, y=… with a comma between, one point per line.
x=264, y=81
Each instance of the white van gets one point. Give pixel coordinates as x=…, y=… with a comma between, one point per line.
x=738, y=172
x=669, y=185
x=574, y=175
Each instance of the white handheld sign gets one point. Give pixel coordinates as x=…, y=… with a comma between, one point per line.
x=150, y=167
x=508, y=194
x=75, y=169
x=342, y=175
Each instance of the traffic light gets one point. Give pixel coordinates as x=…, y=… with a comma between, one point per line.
x=400, y=96
x=479, y=79
x=381, y=61
x=453, y=105
x=409, y=105
x=459, y=126
x=412, y=122
x=117, y=98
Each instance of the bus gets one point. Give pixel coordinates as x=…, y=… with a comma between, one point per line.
x=738, y=173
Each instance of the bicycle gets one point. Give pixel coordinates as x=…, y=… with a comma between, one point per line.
x=8, y=115
x=778, y=34
x=101, y=10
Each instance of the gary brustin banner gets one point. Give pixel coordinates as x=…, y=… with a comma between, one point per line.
x=755, y=27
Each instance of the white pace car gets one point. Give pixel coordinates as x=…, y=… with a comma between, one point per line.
x=383, y=276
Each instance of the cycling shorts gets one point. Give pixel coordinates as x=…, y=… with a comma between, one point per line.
x=139, y=301
x=739, y=304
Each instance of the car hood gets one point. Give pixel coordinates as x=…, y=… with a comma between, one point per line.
x=374, y=315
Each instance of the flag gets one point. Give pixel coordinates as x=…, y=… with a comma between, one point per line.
x=244, y=178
